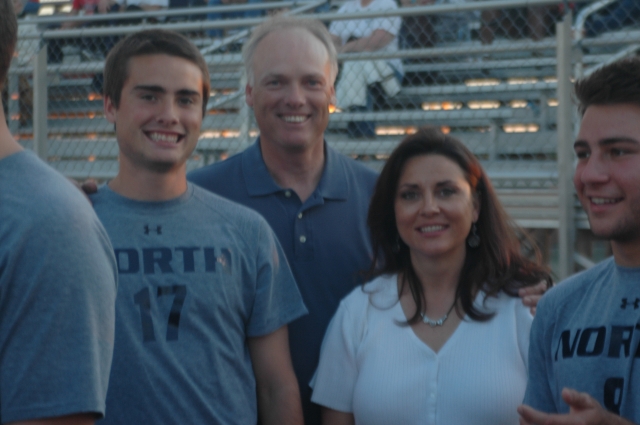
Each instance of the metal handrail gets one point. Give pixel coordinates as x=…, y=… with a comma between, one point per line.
x=632, y=49
x=581, y=18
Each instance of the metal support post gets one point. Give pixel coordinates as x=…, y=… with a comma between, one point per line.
x=245, y=117
x=493, y=141
x=40, y=99
x=544, y=111
x=14, y=103
x=566, y=203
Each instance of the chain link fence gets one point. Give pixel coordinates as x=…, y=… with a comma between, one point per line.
x=484, y=71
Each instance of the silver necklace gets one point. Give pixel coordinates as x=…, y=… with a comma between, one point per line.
x=440, y=321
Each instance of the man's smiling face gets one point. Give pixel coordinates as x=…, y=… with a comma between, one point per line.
x=607, y=177
x=291, y=89
x=160, y=113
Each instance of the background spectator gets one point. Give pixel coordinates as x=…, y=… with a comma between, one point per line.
x=146, y=5
x=426, y=30
x=533, y=22
x=356, y=77
x=614, y=16
x=25, y=49
x=214, y=16
x=91, y=48
x=417, y=31
x=89, y=7
x=23, y=8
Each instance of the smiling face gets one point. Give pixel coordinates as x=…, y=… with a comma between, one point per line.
x=607, y=177
x=160, y=113
x=434, y=208
x=291, y=90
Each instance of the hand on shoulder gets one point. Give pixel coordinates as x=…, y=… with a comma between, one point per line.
x=583, y=410
x=531, y=295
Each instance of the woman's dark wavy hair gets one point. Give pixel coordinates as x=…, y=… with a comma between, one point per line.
x=496, y=265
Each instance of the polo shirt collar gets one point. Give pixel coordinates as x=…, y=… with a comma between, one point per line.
x=333, y=183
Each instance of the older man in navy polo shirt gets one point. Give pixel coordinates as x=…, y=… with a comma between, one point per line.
x=315, y=199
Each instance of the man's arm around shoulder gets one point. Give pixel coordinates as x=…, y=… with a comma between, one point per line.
x=277, y=387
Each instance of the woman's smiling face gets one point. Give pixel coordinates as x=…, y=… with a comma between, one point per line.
x=434, y=207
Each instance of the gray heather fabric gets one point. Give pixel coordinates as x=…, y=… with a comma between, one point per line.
x=199, y=274
x=57, y=295
x=586, y=336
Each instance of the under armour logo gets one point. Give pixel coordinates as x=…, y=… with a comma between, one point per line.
x=147, y=229
x=625, y=303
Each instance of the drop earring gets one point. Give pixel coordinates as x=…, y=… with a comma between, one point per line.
x=473, y=240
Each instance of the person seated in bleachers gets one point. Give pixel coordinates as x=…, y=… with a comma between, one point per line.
x=214, y=16
x=356, y=77
x=26, y=48
x=30, y=7
x=615, y=16
x=91, y=48
x=534, y=22
x=417, y=31
x=422, y=31
x=145, y=5
x=89, y=7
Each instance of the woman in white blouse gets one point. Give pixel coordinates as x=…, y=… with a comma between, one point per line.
x=439, y=336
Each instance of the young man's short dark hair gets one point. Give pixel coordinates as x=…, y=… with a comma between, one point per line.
x=150, y=42
x=616, y=83
x=8, y=37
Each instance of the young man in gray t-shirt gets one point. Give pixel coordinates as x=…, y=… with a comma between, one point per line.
x=205, y=290
x=585, y=339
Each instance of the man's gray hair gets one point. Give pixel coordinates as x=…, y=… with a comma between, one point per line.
x=277, y=23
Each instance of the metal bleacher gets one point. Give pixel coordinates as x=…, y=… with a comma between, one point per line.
x=500, y=100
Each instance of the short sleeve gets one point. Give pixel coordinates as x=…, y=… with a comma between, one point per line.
x=539, y=394
x=277, y=298
x=346, y=29
x=340, y=28
x=58, y=289
x=334, y=381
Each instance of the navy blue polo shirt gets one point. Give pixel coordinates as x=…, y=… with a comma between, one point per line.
x=325, y=239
